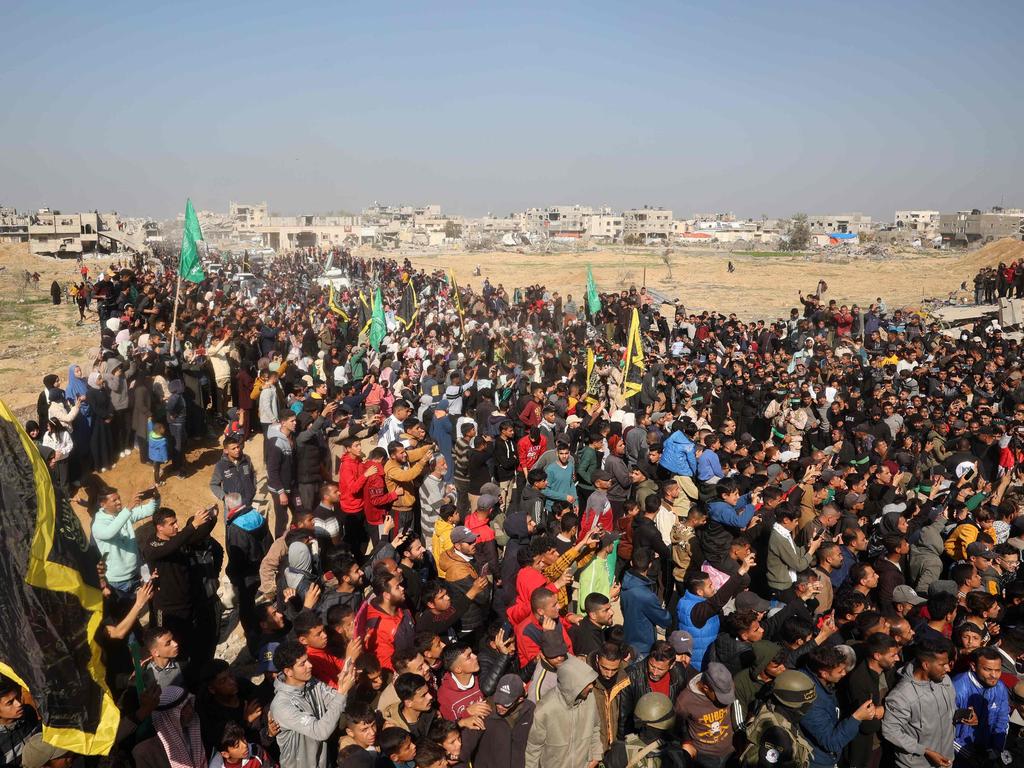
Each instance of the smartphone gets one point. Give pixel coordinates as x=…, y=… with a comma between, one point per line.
x=149, y=493
x=485, y=569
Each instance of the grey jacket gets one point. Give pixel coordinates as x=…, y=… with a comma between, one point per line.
x=925, y=565
x=919, y=716
x=566, y=733
x=117, y=383
x=308, y=717
x=782, y=558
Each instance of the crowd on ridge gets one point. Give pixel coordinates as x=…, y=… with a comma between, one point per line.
x=507, y=528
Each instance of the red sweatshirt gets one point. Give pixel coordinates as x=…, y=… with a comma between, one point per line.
x=326, y=666
x=529, y=452
x=376, y=496
x=453, y=700
x=350, y=484
x=527, y=580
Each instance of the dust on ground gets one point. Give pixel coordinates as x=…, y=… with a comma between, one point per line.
x=762, y=286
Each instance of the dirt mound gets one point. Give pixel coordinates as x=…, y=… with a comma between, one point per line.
x=1005, y=250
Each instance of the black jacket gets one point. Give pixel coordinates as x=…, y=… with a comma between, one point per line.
x=506, y=460
x=639, y=685
x=174, y=596
x=587, y=637
x=647, y=536
x=503, y=740
x=231, y=477
x=310, y=453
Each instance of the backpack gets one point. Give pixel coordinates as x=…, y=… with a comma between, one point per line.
x=770, y=718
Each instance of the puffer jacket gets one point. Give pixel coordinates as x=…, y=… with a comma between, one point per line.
x=641, y=611
x=566, y=731
x=678, y=455
x=307, y=716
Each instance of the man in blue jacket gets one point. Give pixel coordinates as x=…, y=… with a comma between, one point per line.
x=728, y=516
x=981, y=689
x=679, y=456
x=641, y=607
x=827, y=734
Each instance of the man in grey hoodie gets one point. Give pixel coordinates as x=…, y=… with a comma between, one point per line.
x=307, y=710
x=566, y=731
x=918, y=720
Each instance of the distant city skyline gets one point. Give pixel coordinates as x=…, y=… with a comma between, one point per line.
x=755, y=108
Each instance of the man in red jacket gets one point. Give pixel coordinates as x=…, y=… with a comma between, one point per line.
x=383, y=620
x=351, y=478
x=544, y=617
x=459, y=697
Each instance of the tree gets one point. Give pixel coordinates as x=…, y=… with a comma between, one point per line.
x=452, y=230
x=666, y=259
x=798, y=235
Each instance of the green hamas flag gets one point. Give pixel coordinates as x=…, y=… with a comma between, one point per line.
x=188, y=265
x=378, y=325
x=593, y=299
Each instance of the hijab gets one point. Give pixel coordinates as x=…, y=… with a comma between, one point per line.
x=76, y=384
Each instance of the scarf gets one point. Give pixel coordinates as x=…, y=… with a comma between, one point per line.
x=76, y=385
x=183, y=747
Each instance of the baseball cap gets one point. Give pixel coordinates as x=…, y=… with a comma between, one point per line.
x=266, y=657
x=853, y=499
x=486, y=502
x=552, y=645
x=906, y=594
x=462, y=535
x=717, y=676
x=681, y=641
x=510, y=689
x=601, y=474
x=608, y=538
x=36, y=753
x=978, y=549
x=751, y=601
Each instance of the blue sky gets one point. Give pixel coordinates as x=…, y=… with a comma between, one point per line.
x=760, y=108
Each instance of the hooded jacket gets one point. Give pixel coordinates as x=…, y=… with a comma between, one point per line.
x=280, y=461
x=503, y=739
x=641, y=611
x=678, y=455
x=919, y=716
x=566, y=731
x=307, y=716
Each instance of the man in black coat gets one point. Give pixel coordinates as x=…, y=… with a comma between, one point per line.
x=872, y=679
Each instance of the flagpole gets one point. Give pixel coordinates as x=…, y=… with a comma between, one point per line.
x=174, y=320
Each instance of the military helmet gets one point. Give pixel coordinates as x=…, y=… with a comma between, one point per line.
x=655, y=711
x=794, y=689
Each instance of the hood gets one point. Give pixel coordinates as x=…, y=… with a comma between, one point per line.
x=764, y=651
x=573, y=676
x=515, y=526
x=632, y=581
x=290, y=691
x=275, y=435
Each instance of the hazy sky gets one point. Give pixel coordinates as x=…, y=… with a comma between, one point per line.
x=480, y=106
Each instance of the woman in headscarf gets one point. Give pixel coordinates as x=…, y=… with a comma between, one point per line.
x=101, y=445
x=50, y=386
x=178, y=742
x=75, y=398
x=55, y=292
x=177, y=408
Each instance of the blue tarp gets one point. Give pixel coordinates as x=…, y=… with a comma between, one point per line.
x=842, y=235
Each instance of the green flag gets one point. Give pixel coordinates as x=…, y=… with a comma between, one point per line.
x=593, y=299
x=188, y=265
x=378, y=325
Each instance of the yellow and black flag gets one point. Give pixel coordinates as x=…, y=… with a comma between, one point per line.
x=50, y=601
x=633, y=370
x=458, y=301
x=333, y=306
x=364, y=313
x=409, y=306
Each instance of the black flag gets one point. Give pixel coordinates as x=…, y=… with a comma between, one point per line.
x=50, y=601
x=409, y=306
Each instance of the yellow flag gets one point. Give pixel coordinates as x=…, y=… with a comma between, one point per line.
x=633, y=370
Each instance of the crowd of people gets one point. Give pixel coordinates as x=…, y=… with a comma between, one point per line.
x=508, y=529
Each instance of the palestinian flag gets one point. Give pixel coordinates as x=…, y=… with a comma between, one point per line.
x=50, y=601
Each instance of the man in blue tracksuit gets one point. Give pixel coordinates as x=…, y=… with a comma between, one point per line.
x=827, y=734
x=981, y=689
x=679, y=456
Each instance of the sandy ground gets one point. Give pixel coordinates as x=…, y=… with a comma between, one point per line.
x=761, y=287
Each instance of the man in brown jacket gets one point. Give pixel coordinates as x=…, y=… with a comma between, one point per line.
x=402, y=478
